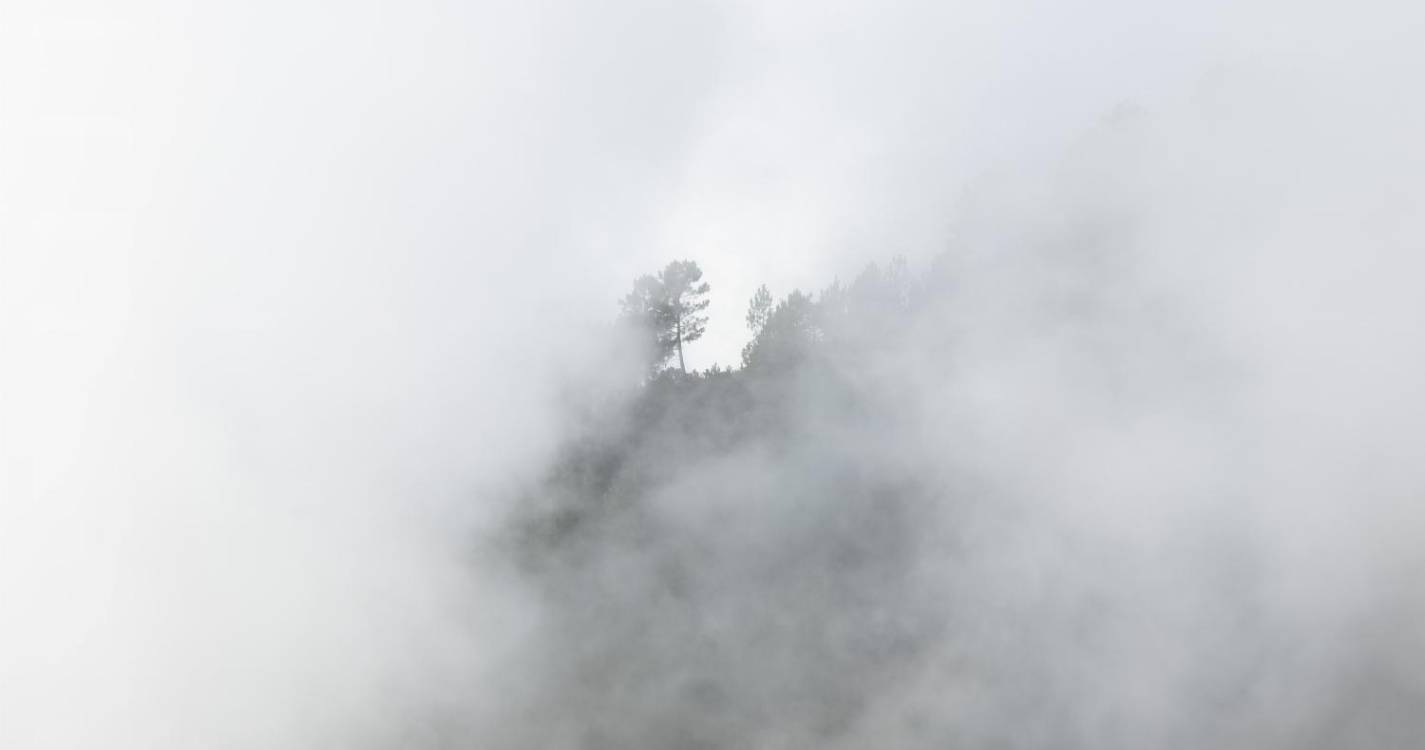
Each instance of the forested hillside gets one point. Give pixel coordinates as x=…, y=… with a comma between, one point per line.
x=734, y=553
x=813, y=550
x=1045, y=490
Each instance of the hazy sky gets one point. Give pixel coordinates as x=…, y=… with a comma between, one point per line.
x=281, y=282
x=386, y=155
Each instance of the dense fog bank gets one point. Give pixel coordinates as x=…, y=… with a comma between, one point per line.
x=319, y=428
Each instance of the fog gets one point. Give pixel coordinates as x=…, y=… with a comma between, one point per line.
x=294, y=296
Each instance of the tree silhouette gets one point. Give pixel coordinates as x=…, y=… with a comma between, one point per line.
x=686, y=299
x=758, y=309
x=645, y=312
x=669, y=307
x=787, y=335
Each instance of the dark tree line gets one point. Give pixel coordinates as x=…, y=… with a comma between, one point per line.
x=666, y=310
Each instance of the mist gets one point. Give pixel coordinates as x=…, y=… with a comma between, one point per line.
x=306, y=312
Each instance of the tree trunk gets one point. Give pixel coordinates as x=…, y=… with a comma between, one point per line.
x=681, y=366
